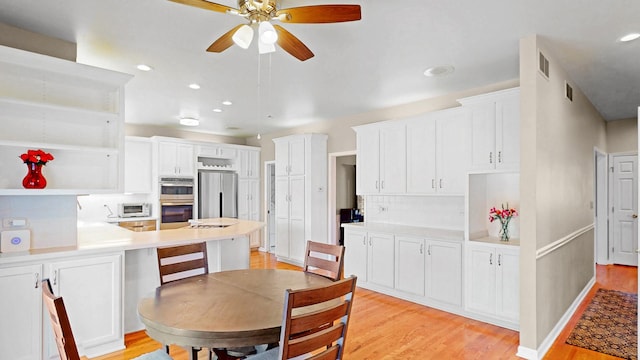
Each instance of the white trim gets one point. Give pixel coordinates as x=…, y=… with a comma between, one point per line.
x=527, y=353
x=564, y=320
x=265, y=206
x=562, y=242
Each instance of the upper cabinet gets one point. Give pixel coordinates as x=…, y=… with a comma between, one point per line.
x=495, y=129
x=249, y=164
x=137, y=165
x=73, y=111
x=438, y=152
x=290, y=156
x=175, y=158
x=381, y=159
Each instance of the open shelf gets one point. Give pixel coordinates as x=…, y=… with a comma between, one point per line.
x=487, y=190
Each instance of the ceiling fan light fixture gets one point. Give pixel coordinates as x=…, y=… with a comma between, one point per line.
x=268, y=34
x=243, y=36
x=264, y=48
x=189, y=122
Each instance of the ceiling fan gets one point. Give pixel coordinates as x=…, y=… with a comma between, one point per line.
x=262, y=12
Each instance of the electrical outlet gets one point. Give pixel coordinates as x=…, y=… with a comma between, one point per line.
x=14, y=222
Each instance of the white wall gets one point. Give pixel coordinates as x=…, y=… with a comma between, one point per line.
x=444, y=212
x=622, y=135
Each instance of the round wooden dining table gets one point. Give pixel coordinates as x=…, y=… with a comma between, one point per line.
x=223, y=309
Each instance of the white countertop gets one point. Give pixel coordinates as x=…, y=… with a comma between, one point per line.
x=99, y=236
x=115, y=220
x=431, y=233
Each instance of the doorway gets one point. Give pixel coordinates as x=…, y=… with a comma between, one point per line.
x=341, y=191
x=270, y=206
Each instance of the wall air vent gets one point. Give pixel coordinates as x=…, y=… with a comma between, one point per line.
x=568, y=91
x=543, y=65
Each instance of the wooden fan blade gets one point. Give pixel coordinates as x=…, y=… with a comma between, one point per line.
x=292, y=44
x=224, y=42
x=206, y=5
x=317, y=14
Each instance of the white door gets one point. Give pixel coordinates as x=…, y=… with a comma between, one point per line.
x=483, y=130
x=355, y=255
x=381, y=259
x=453, y=151
x=368, y=162
x=508, y=132
x=508, y=284
x=444, y=272
x=393, y=163
x=624, y=209
x=421, y=155
x=481, y=279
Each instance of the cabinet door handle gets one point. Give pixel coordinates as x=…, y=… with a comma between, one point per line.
x=364, y=241
x=369, y=242
x=499, y=259
x=37, y=280
x=500, y=156
x=376, y=184
x=490, y=259
x=440, y=183
x=55, y=277
x=429, y=250
x=382, y=184
x=421, y=246
x=433, y=183
x=490, y=157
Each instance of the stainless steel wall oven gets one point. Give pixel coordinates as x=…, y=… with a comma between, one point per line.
x=176, y=202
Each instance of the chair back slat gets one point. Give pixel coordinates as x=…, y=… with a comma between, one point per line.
x=324, y=259
x=320, y=322
x=179, y=262
x=59, y=323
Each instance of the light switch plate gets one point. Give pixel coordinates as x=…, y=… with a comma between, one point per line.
x=15, y=240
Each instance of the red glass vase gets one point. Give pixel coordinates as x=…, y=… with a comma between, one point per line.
x=34, y=178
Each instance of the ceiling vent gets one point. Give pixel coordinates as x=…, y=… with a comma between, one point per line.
x=568, y=91
x=543, y=65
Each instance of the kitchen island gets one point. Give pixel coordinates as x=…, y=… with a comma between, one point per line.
x=102, y=279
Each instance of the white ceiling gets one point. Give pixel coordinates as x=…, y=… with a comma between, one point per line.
x=358, y=66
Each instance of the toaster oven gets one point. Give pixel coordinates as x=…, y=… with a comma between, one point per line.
x=126, y=210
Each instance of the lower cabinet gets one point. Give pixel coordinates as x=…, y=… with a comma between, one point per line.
x=21, y=314
x=409, y=267
x=92, y=291
x=493, y=282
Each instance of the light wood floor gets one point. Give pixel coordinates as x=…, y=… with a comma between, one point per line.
x=383, y=327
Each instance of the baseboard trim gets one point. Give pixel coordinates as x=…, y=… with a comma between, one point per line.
x=539, y=353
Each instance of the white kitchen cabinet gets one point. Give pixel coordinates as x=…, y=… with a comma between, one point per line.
x=290, y=155
x=92, y=292
x=71, y=110
x=444, y=272
x=410, y=265
x=137, y=165
x=438, y=152
x=493, y=281
x=21, y=312
x=218, y=151
x=249, y=199
x=355, y=254
x=381, y=262
x=381, y=158
x=300, y=192
x=249, y=163
x=175, y=158
x=495, y=129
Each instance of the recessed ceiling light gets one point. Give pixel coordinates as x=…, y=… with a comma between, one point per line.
x=144, y=67
x=217, y=110
x=630, y=37
x=194, y=86
x=189, y=122
x=439, y=71
x=227, y=102
x=232, y=128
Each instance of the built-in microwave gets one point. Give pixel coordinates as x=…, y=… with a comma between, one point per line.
x=126, y=210
x=174, y=188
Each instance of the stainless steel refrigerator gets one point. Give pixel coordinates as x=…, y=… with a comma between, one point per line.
x=217, y=194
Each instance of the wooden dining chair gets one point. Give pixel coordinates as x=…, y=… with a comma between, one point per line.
x=318, y=332
x=182, y=261
x=324, y=259
x=62, y=328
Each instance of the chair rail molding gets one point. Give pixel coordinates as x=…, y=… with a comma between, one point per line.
x=546, y=250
